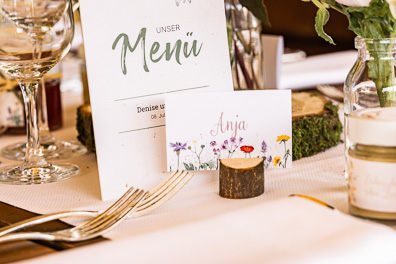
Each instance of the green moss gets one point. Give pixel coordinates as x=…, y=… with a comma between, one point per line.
x=313, y=134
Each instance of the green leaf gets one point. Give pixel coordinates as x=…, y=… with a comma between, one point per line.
x=258, y=9
x=322, y=16
x=189, y=167
x=212, y=164
x=354, y=23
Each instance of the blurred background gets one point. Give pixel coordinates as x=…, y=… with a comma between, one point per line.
x=295, y=19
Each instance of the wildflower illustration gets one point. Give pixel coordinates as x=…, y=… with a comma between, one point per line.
x=206, y=155
x=231, y=145
x=247, y=150
x=283, y=139
x=263, y=146
x=198, y=163
x=216, y=152
x=267, y=160
x=198, y=155
x=277, y=161
x=177, y=147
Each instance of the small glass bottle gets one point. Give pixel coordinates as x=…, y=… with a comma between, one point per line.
x=371, y=81
x=372, y=163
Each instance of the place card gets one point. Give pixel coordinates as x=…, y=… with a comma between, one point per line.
x=206, y=127
x=136, y=53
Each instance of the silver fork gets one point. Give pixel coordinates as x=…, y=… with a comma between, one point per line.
x=93, y=228
x=153, y=200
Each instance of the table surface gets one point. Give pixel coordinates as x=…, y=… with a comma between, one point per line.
x=320, y=176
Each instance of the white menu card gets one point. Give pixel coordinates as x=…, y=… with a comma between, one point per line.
x=136, y=53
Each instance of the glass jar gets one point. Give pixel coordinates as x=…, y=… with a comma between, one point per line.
x=11, y=104
x=371, y=81
x=244, y=40
x=372, y=163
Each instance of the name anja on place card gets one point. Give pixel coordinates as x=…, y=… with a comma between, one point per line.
x=136, y=52
x=206, y=127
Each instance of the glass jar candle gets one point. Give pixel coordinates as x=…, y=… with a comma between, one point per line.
x=371, y=82
x=372, y=163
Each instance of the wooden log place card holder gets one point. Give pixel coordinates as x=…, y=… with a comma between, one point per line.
x=241, y=178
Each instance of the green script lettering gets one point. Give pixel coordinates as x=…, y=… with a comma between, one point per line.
x=168, y=53
x=126, y=45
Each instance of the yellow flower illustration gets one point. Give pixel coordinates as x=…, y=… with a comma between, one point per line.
x=283, y=138
x=276, y=160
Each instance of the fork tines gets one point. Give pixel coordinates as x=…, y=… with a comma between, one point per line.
x=163, y=192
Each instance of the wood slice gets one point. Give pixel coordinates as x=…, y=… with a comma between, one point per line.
x=306, y=104
x=241, y=178
x=316, y=125
x=85, y=127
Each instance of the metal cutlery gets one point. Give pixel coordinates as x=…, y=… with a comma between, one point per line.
x=104, y=222
x=153, y=200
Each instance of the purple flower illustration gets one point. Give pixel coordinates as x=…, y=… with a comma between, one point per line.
x=216, y=151
x=213, y=143
x=178, y=146
x=231, y=145
x=270, y=158
x=263, y=147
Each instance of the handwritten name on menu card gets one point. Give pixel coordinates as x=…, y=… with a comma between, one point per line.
x=212, y=126
x=136, y=53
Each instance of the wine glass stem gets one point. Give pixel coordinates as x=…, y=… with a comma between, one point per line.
x=33, y=154
x=37, y=46
x=44, y=131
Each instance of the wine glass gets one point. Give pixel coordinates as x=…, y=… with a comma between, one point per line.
x=3, y=88
x=35, y=36
x=51, y=147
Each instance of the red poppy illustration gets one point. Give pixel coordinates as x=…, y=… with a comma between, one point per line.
x=247, y=149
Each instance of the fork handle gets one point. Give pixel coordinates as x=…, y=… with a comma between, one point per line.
x=28, y=236
x=42, y=219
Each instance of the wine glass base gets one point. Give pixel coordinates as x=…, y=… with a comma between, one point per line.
x=52, y=149
x=23, y=175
